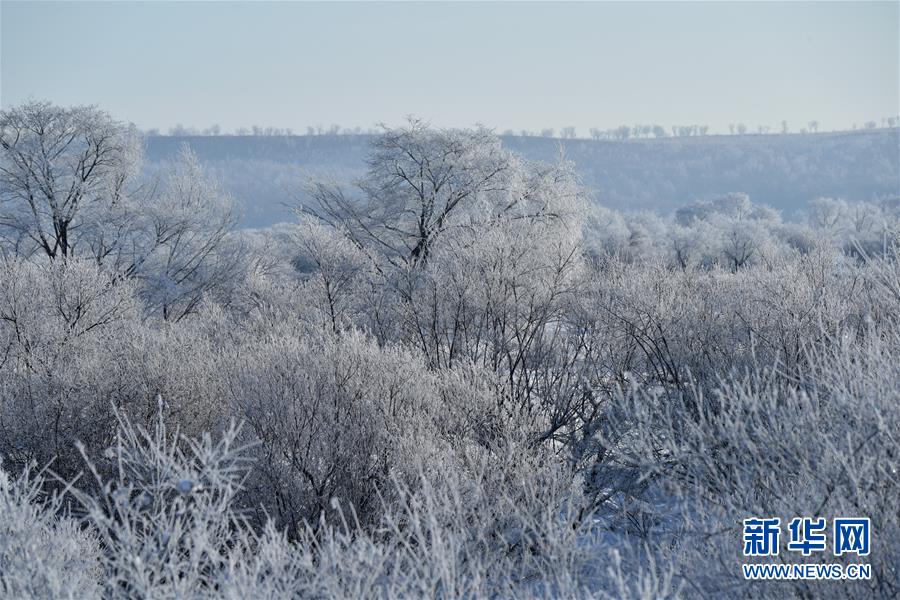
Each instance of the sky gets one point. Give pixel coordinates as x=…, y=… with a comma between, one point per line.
x=507, y=65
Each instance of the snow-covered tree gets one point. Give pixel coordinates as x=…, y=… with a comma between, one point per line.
x=182, y=246
x=64, y=175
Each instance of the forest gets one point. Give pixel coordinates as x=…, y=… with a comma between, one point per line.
x=453, y=375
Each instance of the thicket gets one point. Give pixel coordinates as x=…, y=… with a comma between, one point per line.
x=455, y=379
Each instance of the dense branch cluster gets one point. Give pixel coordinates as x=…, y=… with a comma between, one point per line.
x=455, y=378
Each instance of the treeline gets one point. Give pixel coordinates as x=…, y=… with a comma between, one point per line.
x=642, y=131
x=260, y=131
x=621, y=133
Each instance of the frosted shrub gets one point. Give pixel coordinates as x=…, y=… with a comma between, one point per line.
x=501, y=522
x=62, y=325
x=761, y=446
x=335, y=416
x=666, y=326
x=167, y=520
x=42, y=555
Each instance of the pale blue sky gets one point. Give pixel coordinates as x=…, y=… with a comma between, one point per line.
x=507, y=65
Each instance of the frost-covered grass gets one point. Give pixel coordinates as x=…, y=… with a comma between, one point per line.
x=166, y=525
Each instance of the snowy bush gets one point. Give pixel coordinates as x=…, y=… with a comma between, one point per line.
x=43, y=555
x=762, y=444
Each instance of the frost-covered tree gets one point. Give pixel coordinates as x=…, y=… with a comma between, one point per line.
x=182, y=247
x=828, y=214
x=70, y=188
x=64, y=174
x=443, y=213
x=421, y=184
x=735, y=231
x=473, y=256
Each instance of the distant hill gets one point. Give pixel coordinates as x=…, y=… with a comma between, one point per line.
x=784, y=171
